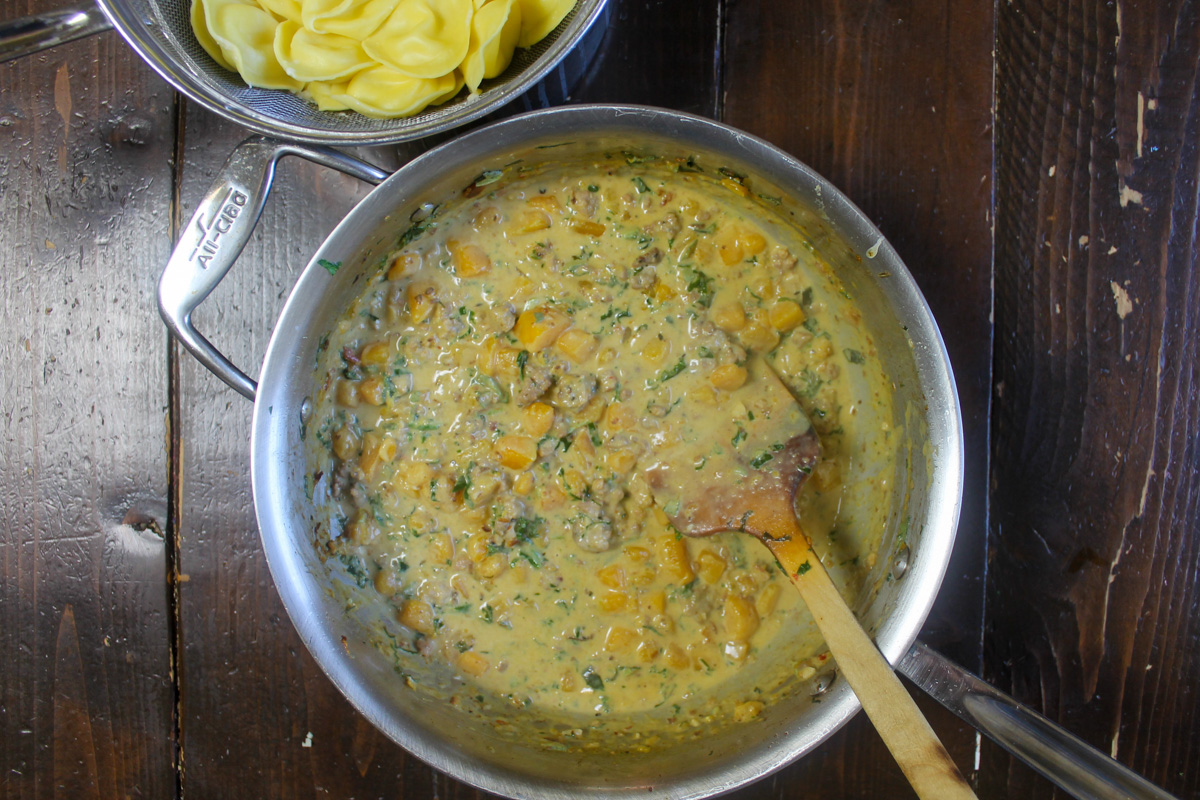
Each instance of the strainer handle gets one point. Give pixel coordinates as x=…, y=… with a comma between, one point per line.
x=32, y=34
x=214, y=237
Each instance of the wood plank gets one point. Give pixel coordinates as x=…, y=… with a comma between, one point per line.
x=1096, y=536
x=86, y=696
x=250, y=694
x=893, y=104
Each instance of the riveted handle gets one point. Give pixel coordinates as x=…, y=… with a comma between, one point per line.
x=221, y=226
x=1061, y=757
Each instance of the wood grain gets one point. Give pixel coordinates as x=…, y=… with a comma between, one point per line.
x=892, y=102
x=1096, y=543
x=86, y=135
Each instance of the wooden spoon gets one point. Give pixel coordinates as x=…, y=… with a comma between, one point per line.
x=750, y=486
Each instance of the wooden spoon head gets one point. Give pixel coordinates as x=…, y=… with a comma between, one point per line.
x=740, y=467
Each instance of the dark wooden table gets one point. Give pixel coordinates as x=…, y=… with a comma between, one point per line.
x=1035, y=163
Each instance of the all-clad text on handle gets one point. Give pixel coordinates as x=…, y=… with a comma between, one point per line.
x=221, y=226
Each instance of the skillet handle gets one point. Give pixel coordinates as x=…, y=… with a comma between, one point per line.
x=214, y=237
x=1059, y=756
x=32, y=34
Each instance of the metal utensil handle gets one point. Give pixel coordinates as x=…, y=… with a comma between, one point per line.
x=214, y=237
x=1061, y=757
x=32, y=34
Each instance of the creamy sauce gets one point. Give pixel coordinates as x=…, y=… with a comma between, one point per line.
x=487, y=411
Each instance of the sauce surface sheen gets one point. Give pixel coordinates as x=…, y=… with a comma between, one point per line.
x=485, y=414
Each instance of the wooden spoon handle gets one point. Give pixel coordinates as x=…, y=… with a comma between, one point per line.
x=905, y=731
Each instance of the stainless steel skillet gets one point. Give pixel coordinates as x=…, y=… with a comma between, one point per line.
x=901, y=326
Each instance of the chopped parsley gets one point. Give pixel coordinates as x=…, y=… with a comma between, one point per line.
x=670, y=372
x=330, y=266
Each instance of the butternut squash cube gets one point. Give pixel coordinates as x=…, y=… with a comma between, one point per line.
x=530, y=220
x=523, y=483
x=538, y=328
x=418, y=615
x=376, y=451
x=516, y=452
x=347, y=393
x=739, y=617
x=673, y=559
x=469, y=260
x=728, y=377
x=612, y=602
x=537, y=419
x=619, y=639
x=655, y=350
x=710, y=566
x=729, y=317
x=422, y=299
x=588, y=228
x=759, y=337
x=370, y=391
x=576, y=345
x=786, y=314
x=403, y=265
x=612, y=576
x=375, y=353
x=546, y=202
x=472, y=663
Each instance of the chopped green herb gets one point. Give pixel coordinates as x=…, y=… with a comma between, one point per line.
x=803, y=568
x=854, y=356
x=533, y=557
x=593, y=679
x=760, y=459
x=330, y=266
x=593, y=187
x=738, y=437
x=357, y=569
x=594, y=434
x=487, y=613
x=806, y=297
x=525, y=528
x=488, y=176
x=674, y=370
x=522, y=360
x=640, y=184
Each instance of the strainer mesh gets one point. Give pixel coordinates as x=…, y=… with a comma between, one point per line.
x=161, y=31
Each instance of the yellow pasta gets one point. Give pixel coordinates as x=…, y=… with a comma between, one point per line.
x=494, y=33
x=383, y=92
x=355, y=19
x=325, y=93
x=308, y=56
x=381, y=58
x=540, y=17
x=284, y=9
x=200, y=27
x=246, y=34
x=423, y=38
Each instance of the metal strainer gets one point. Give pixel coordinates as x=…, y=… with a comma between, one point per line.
x=161, y=33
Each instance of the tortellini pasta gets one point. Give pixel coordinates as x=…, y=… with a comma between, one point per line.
x=381, y=58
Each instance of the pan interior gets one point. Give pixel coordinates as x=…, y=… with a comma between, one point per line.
x=525, y=755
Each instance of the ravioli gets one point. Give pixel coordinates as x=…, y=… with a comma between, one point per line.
x=494, y=33
x=246, y=35
x=381, y=58
x=308, y=56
